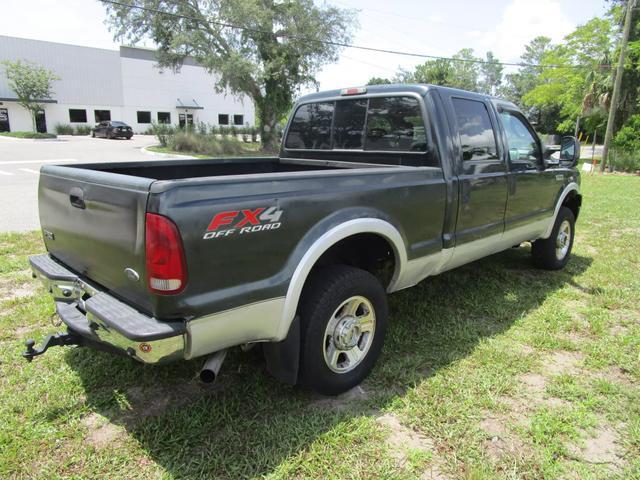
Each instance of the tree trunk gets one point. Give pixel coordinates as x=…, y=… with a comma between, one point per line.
x=268, y=132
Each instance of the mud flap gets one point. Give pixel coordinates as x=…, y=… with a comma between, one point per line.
x=283, y=357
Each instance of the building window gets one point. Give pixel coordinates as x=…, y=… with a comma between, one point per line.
x=238, y=119
x=77, y=115
x=223, y=119
x=164, y=117
x=144, y=117
x=102, y=115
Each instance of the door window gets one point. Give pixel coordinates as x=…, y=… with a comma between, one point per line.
x=524, y=152
x=477, y=138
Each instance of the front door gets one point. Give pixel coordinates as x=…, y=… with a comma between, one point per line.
x=532, y=189
x=41, y=122
x=4, y=120
x=482, y=173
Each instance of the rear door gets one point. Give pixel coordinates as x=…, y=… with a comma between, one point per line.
x=481, y=172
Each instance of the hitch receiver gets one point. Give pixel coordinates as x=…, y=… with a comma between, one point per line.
x=61, y=339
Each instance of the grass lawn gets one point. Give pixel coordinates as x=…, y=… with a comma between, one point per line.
x=494, y=370
x=36, y=135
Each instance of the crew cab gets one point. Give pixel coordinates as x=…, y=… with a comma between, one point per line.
x=375, y=189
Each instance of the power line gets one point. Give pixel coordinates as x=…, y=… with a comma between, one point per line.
x=346, y=45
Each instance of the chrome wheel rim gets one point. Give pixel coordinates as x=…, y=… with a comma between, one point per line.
x=563, y=240
x=349, y=334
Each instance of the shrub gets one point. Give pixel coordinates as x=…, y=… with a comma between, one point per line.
x=628, y=137
x=163, y=132
x=254, y=134
x=625, y=161
x=203, y=128
x=63, y=129
x=191, y=142
x=82, y=130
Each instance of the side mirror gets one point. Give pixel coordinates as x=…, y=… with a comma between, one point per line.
x=569, y=151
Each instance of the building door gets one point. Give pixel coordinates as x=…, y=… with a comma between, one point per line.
x=41, y=122
x=185, y=119
x=4, y=120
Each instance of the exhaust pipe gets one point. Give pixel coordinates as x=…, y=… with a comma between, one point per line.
x=211, y=367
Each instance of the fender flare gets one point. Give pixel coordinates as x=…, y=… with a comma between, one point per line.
x=326, y=241
x=571, y=187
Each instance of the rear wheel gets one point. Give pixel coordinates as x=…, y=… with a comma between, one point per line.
x=553, y=253
x=344, y=321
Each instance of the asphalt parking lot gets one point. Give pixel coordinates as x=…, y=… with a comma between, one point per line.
x=20, y=162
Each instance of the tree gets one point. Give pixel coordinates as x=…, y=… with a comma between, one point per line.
x=278, y=47
x=31, y=83
x=491, y=75
x=379, y=81
x=461, y=71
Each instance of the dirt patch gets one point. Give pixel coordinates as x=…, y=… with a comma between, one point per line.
x=340, y=402
x=601, y=447
x=101, y=433
x=12, y=288
x=402, y=440
x=153, y=401
x=562, y=362
x=534, y=382
x=500, y=441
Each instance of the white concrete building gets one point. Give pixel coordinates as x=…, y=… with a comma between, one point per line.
x=127, y=85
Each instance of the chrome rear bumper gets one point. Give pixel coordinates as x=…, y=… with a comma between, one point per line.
x=94, y=314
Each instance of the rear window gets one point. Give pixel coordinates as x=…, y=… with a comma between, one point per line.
x=387, y=124
x=311, y=127
x=395, y=124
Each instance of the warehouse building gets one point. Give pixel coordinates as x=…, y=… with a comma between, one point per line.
x=126, y=85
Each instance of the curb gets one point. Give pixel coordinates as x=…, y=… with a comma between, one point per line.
x=174, y=156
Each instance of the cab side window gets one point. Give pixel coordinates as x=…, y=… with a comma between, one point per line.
x=524, y=153
x=477, y=138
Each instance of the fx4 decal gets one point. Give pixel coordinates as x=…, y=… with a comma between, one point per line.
x=243, y=221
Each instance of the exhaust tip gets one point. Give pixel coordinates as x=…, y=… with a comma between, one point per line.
x=207, y=376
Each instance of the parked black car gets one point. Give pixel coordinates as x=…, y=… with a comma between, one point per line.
x=109, y=129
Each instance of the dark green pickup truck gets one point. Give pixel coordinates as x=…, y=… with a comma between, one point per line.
x=375, y=189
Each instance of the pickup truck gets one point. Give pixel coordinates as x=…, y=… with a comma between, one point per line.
x=375, y=189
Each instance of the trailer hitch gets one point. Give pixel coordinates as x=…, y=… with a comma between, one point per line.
x=61, y=339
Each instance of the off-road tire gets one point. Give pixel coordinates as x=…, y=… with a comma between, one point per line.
x=327, y=289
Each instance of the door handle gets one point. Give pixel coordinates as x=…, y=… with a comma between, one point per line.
x=76, y=197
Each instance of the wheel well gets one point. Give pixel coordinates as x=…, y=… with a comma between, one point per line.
x=573, y=201
x=368, y=251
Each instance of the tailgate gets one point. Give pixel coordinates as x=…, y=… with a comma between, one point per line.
x=94, y=223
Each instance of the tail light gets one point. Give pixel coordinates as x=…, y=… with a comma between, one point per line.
x=166, y=265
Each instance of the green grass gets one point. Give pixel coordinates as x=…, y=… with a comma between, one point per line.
x=36, y=135
x=494, y=370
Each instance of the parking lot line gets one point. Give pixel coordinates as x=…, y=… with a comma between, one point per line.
x=51, y=160
x=30, y=170
x=5, y=173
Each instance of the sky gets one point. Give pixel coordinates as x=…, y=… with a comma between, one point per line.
x=432, y=27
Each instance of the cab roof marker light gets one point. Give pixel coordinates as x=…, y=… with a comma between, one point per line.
x=353, y=91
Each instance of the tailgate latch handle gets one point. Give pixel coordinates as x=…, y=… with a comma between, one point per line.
x=76, y=197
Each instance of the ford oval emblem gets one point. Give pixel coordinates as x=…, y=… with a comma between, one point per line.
x=131, y=274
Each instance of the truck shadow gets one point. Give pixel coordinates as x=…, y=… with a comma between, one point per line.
x=248, y=424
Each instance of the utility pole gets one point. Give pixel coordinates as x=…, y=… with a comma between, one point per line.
x=617, y=83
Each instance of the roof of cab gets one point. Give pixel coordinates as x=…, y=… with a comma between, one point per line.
x=419, y=88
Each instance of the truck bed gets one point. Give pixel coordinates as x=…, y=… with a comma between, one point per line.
x=180, y=169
